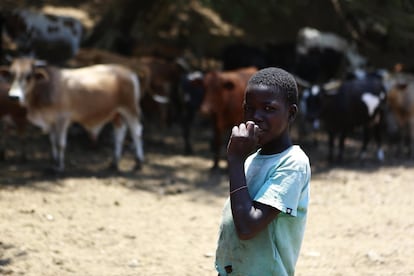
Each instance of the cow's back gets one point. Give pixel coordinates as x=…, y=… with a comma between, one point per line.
x=400, y=100
x=111, y=87
x=368, y=99
x=356, y=103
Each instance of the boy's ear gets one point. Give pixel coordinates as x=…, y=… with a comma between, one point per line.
x=293, y=110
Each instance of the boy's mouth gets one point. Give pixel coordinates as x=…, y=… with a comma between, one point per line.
x=260, y=131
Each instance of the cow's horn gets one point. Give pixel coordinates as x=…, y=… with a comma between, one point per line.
x=332, y=85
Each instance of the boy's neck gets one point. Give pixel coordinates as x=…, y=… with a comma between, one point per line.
x=276, y=146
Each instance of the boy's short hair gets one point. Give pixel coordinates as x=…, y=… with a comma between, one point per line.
x=278, y=78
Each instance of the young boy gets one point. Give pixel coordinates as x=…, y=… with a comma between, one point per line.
x=264, y=218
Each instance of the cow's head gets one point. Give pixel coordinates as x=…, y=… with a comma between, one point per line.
x=310, y=105
x=312, y=101
x=25, y=72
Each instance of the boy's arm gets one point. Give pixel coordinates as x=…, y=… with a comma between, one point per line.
x=250, y=217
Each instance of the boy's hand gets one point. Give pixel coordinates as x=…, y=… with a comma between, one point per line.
x=243, y=141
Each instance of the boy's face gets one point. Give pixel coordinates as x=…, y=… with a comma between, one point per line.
x=269, y=110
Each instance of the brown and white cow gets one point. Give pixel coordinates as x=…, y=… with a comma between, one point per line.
x=91, y=96
x=223, y=102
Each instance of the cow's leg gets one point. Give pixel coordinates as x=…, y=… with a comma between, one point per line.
x=331, y=145
x=59, y=136
x=186, y=125
x=404, y=146
x=365, y=140
x=119, y=137
x=341, y=147
x=411, y=137
x=378, y=131
x=53, y=144
x=162, y=103
x=135, y=128
x=3, y=142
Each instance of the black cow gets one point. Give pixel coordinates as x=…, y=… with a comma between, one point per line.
x=44, y=36
x=356, y=102
x=191, y=92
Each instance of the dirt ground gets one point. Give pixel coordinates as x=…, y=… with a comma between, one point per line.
x=164, y=219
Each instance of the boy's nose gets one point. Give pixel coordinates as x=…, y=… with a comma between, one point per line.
x=257, y=117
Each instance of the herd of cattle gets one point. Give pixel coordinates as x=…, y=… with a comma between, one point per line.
x=93, y=87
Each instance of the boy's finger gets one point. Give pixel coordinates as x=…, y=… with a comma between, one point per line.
x=243, y=130
x=256, y=130
x=250, y=126
x=235, y=131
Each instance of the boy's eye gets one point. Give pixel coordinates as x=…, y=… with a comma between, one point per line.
x=269, y=108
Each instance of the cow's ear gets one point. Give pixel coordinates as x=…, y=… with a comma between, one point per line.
x=229, y=85
x=41, y=74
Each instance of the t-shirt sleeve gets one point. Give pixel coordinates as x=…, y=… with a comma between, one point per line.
x=282, y=191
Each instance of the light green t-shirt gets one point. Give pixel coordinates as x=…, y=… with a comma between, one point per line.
x=281, y=181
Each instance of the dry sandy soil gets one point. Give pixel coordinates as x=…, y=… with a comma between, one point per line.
x=164, y=219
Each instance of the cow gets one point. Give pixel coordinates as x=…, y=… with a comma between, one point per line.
x=346, y=105
x=191, y=94
x=12, y=114
x=400, y=101
x=43, y=36
x=223, y=102
x=90, y=96
x=162, y=85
